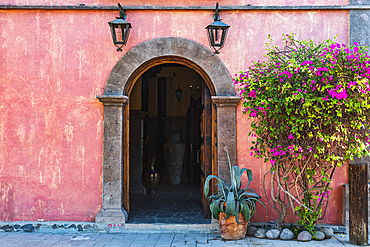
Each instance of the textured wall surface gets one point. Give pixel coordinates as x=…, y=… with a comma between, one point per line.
x=182, y=2
x=54, y=63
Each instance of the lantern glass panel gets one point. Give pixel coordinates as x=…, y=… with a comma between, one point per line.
x=217, y=32
x=210, y=36
x=125, y=32
x=113, y=31
x=223, y=38
x=119, y=32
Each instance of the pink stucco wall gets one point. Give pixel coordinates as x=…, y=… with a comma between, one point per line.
x=177, y=2
x=54, y=63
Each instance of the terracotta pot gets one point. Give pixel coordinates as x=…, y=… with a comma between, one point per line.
x=230, y=229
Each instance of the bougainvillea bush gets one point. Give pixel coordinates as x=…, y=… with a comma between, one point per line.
x=310, y=110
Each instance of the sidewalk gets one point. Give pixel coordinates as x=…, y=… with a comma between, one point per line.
x=20, y=239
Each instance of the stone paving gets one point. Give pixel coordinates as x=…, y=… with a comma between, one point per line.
x=176, y=204
x=160, y=220
x=21, y=239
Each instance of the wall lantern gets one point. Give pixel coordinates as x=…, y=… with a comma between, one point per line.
x=217, y=32
x=178, y=93
x=120, y=29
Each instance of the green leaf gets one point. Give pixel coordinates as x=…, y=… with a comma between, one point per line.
x=250, y=176
x=237, y=213
x=221, y=207
x=214, y=207
x=245, y=210
x=238, y=176
x=206, y=184
x=230, y=205
x=251, y=194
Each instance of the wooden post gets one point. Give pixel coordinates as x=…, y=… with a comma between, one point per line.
x=358, y=204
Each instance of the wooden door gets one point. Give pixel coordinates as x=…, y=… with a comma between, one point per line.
x=206, y=146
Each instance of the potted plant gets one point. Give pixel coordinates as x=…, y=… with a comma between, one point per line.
x=232, y=205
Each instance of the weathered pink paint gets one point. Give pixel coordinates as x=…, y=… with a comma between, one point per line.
x=54, y=63
x=181, y=2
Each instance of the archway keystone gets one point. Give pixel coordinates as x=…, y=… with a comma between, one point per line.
x=116, y=115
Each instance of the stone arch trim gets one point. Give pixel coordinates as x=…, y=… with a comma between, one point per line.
x=120, y=77
x=116, y=113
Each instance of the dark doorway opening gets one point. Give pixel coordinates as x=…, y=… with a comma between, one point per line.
x=156, y=112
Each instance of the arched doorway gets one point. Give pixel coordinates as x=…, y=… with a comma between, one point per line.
x=157, y=116
x=151, y=53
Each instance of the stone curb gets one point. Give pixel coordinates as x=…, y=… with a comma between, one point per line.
x=65, y=227
x=91, y=227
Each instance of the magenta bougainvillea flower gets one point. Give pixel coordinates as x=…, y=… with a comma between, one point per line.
x=302, y=86
x=309, y=106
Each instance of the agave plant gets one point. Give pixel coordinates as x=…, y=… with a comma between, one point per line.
x=232, y=199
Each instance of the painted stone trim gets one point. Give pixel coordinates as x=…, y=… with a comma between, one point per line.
x=112, y=195
x=226, y=133
x=169, y=46
x=113, y=100
x=224, y=101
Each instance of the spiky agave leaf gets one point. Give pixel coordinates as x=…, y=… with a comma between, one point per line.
x=206, y=184
x=250, y=177
x=238, y=175
x=251, y=194
x=241, y=174
x=232, y=174
x=250, y=190
x=245, y=210
x=221, y=207
x=214, y=207
x=230, y=204
x=237, y=213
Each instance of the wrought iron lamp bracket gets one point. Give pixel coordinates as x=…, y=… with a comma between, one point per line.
x=216, y=16
x=122, y=12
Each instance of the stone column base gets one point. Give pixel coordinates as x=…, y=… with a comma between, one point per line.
x=108, y=216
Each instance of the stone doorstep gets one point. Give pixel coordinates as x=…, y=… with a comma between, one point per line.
x=170, y=228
